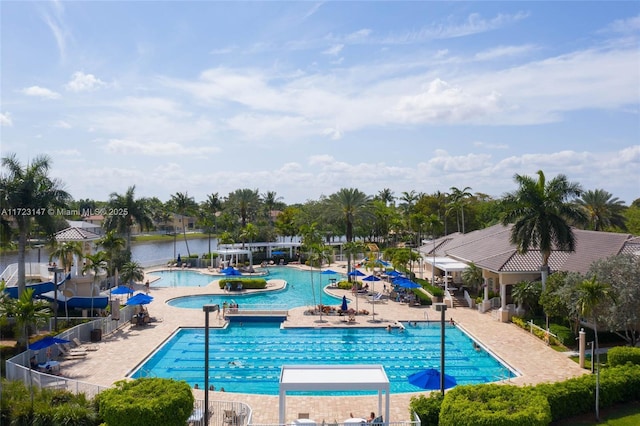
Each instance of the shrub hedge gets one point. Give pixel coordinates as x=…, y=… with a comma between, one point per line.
x=427, y=407
x=495, y=405
x=146, y=402
x=620, y=355
x=247, y=283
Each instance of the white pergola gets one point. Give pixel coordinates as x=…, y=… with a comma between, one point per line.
x=445, y=264
x=234, y=252
x=334, y=377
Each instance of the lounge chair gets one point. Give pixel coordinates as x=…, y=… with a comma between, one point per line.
x=376, y=298
x=71, y=353
x=79, y=345
x=197, y=416
x=352, y=317
x=377, y=421
x=230, y=417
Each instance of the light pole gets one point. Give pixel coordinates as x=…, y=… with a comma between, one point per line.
x=207, y=309
x=441, y=307
x=55, y=271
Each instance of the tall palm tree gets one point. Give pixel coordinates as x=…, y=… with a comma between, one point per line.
x=64, y=252
x=592, y=295
x=113, y=245
x=131, y=271
x=95, y=264
x=28, y=312
x=244, y=202
x=185, y=206
x=249, y=232
x=472, y=276
x=27, y=193
x=349, y=204
x=457, y=201
x=541, y=212
x=127, y=211
x=271, y=202
x=386, y=196
x=602, y=210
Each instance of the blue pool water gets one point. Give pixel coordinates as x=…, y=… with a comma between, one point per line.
x=304, y=288
x=180, y=278
x=247, y=358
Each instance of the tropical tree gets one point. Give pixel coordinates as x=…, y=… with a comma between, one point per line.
x=64, y=252
x=603, y=211
x=541, y=212
x=28, y=312
x=526, y=294
x=349, y=204
x=132, y=271
x=208, y=218
x=249, y=232
x=112, y=244
x=472, y=276
x=592, y=295
x=95, y=263
x=457, y=200
x=271, y=202
x=127, y=211
x=244, y=203
x=386, y=196
x=185, y=206
x=27, y=194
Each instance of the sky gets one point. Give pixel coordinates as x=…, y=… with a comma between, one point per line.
x=305, y=98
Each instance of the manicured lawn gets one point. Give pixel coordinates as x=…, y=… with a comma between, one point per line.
x=622, y=415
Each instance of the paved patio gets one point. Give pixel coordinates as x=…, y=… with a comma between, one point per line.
x=121, y=352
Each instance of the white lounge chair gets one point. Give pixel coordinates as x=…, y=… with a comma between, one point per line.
x=376, y=298
x=80, y=346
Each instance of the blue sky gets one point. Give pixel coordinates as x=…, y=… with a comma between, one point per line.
x=304, y=98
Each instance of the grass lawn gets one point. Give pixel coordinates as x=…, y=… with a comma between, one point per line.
x=167, y=237
x=620, y=415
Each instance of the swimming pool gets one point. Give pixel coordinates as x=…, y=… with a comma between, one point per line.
x=248, y=358
x=304, y=288
x=181, y=278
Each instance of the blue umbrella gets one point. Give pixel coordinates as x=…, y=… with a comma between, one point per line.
x=231, y=271
x=406, y=283
x=429, y=379
x=277, y=253
x=371, y=278
x=356, y=273
x=381, y=262
x=344, y=306
x=328, y=272
x=46, y=342
x=394, y=273
x=178, y=259
x=139, y=299
x=122, y=289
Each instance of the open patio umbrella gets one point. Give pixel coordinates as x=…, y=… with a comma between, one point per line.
x=139, y=299
x=231, y=271
x=405, y=283
x=394, y=273
x=429, y=379
x=46, y=342
x=122, y=289
x=328, y=272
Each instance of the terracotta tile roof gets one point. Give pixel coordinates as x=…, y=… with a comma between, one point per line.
x=76, y=234
x=491, y=249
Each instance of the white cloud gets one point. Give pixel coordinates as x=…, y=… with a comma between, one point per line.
x=81, y=82
x=487, y=145
x=61, y=124
x=40, y=92
x=624, y=26
x=359, y=36
x=502, y=51
x=129, y=147
x=5, y=119
x=334, y=50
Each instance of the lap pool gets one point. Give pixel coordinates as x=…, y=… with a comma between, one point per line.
x=248, y=358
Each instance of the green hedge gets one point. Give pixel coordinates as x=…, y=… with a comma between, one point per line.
x=424, y=298
x=620, y=355
x=428, y=408
x=247, y=283
x=146, y=402
x=494, y=405
x=50, y=407
x=432, y=289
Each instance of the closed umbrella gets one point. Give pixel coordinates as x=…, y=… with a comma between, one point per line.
x=372, y=279
x=344, y=306
x=429, y=379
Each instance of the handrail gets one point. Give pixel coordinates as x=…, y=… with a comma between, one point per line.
x=468, y=299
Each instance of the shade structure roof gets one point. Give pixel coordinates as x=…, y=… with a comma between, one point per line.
x=333, y=377
x=76, y=234
x=446, y=264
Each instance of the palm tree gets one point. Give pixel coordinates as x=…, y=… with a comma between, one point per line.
x=386, y=196
x=540, y=212
x=526, y=294
x=27, y=194
x=132, y=271
x=184, y=206
x=592, y=295
x=64, y=252
x=113, y=245
x=28, y=312
x=472, y=276
x=271, y=202
x=96, y=263
x=457, y=201
x=128, y=210
x=602, y=210
x=249, y=232
x=349, y=204
x=244, y=202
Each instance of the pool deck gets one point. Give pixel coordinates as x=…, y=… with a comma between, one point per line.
x=121, y=352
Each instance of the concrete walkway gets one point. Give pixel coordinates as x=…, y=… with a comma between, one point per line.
x=121, y=352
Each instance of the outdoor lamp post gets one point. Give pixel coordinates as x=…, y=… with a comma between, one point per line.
x=207, y=309
x=55, y=271
x=441, y=307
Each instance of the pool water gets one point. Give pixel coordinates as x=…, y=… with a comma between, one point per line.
x=181, y=278
x=248, y=357
x=304, y=288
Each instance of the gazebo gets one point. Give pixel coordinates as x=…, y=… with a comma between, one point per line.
x=336, y=378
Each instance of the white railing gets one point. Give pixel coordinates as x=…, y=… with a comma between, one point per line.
x=221, y=412
x=10, y=274
x=533, y=326
x=31, y=269
x=495, y=303
x=325, y=422
x=448, y=298
x=468, y=299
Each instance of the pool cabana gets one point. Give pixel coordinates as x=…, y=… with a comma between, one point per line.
x=234, y=253
x=334, y=378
